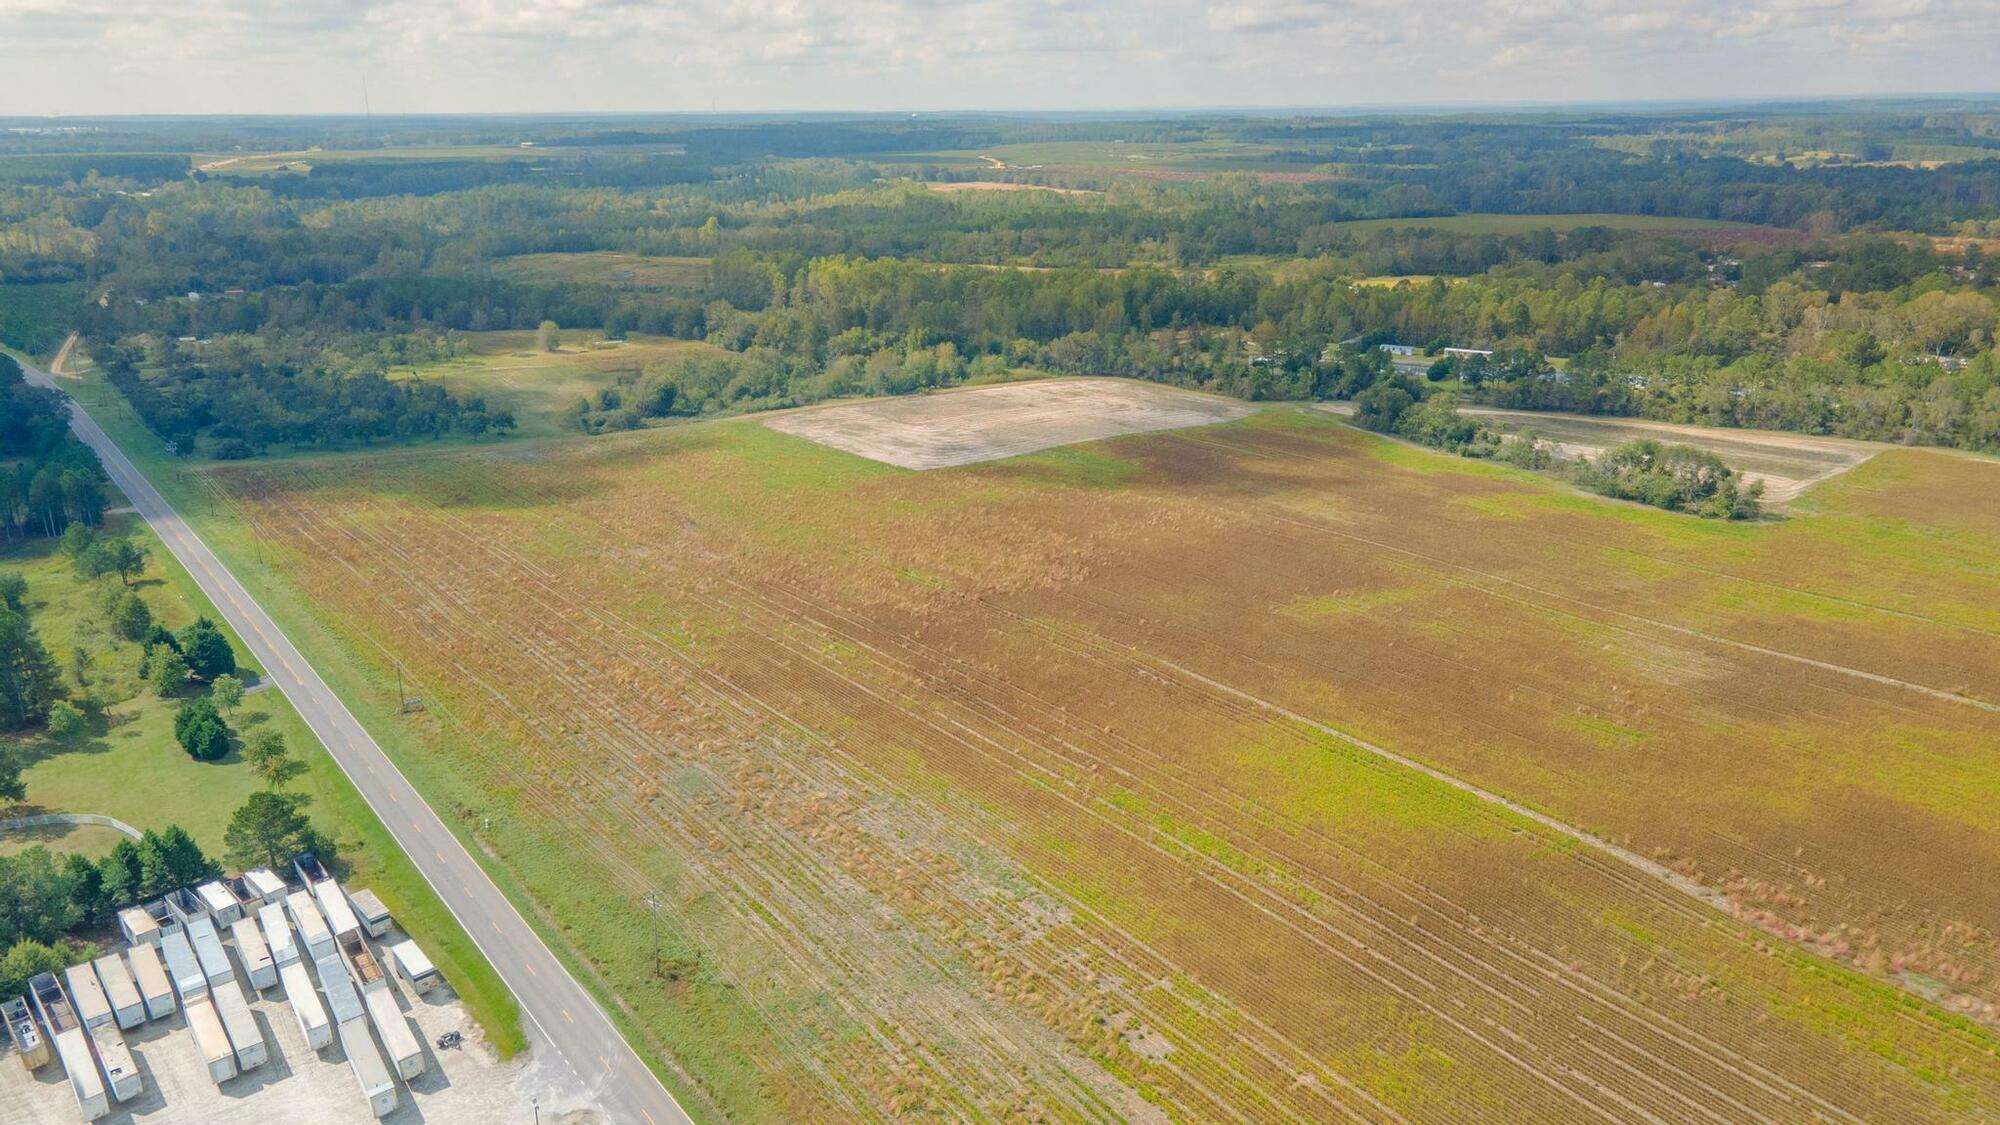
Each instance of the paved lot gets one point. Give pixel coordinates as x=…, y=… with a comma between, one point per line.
x=933, y=431
x=300, y=1086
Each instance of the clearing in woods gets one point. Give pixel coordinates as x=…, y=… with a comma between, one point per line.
x=989, y=423
x=1788, y=464
x=985, y=791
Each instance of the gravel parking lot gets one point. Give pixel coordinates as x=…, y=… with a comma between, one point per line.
x=468, y=1085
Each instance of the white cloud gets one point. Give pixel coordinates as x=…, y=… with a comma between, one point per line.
x=466, y=55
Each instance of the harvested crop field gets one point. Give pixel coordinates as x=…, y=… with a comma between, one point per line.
x=990, y=423
x=1052, y=787
x=1788, y=464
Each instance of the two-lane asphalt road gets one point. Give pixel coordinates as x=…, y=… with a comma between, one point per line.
x=569, y=1021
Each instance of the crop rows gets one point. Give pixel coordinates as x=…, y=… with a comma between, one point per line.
x=997, y=854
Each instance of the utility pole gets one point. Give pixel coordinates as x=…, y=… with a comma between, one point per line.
x=653, y=904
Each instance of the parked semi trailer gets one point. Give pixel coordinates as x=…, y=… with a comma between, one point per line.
x=258, y=968
x=72, y=1045
x=138, y=925
x=211, y=1040
x=300, y=994
x=240, y=1025
x=221, y=903
x=183, y=967
x=374, y=916
x=209, y=950
x=150, y=974
x=128, y=1008
x=313, y=933
x=26, y=1032
x=279, y=937
x=264, y=885
x=350, y=1020
x=408, y=962
x=121, y=1074
x=405, y=1052
x=87, y=995
x=340, y=917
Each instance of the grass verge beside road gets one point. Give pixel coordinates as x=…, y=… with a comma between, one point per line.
x=199, y=796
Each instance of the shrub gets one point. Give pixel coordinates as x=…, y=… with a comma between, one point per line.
x=201, y=731
x=130, y=617
x=66, y=721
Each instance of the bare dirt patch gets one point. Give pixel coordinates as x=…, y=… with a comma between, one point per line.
x=1003, y=185
x=989, y=423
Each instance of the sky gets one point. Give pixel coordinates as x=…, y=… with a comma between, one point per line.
x=78, y=57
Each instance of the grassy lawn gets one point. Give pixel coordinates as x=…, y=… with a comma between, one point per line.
x=135, y=741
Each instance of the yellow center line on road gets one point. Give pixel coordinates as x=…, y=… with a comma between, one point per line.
x=567, y=1016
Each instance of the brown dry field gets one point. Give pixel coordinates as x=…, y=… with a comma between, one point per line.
x=989, y=423
x=971, y=793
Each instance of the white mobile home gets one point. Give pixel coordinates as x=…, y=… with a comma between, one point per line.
x=212, y=1040
x=87, y=995
x=370, y=1072
x=121, y=1074
x=333, y=903
x=72, y=1046
x=313, y=934
x=299, y=993
x=278, y=934
x=374, y=916
x=406, y=1054
x=409, y=963
x=127, y=1006
x=221, y=903
x=183, y=967
x=240, y=1025
x=150, y=974
x=138, y=926
x=258, y=968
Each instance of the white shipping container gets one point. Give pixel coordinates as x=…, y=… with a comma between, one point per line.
x=258, y=968
x=333, y=903
x=305, y=1004
x=405, y=1053
x=370, y=1072
x=313, y=933
x=137, y=925
x=278, y=935
x=121, y=1074
x=91, y=1005
x=212, y=1040
x=150, y=974
x=241, y=1026
x=183, y=967
x=126, y=1005
x=209, y=950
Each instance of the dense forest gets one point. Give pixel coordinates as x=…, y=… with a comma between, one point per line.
x=243, y=306
x=48, y=479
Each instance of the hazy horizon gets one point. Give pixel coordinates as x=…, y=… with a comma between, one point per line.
x=97, y=58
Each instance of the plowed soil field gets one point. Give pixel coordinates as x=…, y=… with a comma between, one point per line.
x=1066, y=786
